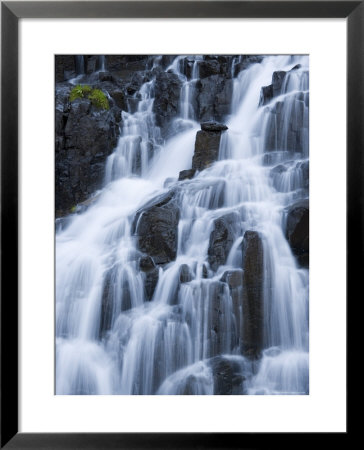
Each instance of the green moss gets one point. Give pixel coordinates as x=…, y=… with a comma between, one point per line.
x=97, y=97
x=73, y=209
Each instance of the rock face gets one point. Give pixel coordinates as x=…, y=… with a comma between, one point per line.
x=167, y=94
x=252, y=338
x=214, y=97
x=274, y=89
x=297, y=230
x=207, y=145
x=85, y=137
x=156, y=228
x=221, y=240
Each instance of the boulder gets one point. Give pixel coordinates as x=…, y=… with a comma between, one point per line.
x=156, y=228
x=246, y=61
x=253, y=301
x=297, y=230
x=221, y=240
x=186, y=174
x=207, y=147
x=227, y=376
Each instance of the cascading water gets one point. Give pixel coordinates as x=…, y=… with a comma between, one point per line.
x=110, y=337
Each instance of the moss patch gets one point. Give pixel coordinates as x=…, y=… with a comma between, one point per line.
x=97, y=97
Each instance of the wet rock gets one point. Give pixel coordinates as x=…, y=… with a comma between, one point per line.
x=253, y=279
x=213, y=126
x=151, y=274
x=208, y=68
x=207, y=146
x=185, y=274
x=167, y=94
x=221, y=240
x=118, y=96
x=105, y=76
x=156, y=228
x=85, y=137
x=274, y=89
x=297, y=230
x=227, y=376
x=214, y=95
x=266, y=95
x=186, y=174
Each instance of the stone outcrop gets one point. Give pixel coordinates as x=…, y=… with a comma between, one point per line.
x=297, y=231
x=207, y=145
x=85, y=136
x=253, y=279
x=167, y=94
x=214, y=94
x=234, y=279
x=221, y=240
x=156, y=228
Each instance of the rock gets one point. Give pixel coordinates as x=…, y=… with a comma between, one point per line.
x=214, y=95
x=186, y=174
x=156, y=228
x=253, y=301
x=221, y=240
x=297, y=230
x=119, y=98
x=266, y=95
x=185, y=274
x=207, y=147
x=151, y=281
x=85, y=137
x=64, y=67
x=213, y=126
x=208, y=68
x=227, y=376
x=105, y=76
x=167, y=94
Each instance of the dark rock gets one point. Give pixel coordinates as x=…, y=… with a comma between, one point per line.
x=151, y=274
x=214, y=95
x=65, y=67
x=185, y=274
x=207, y=146
x=186, y=174
x=167, y=94
x=228, y=379
x=105, y=76
x=297, y=66
x=119, y=98
x=277, y=82
x=266, y=95
x=156, y=228
x=253, y=301
x=297, y=230
x=213, y=126
x=208, y=68
x=84, y=138
x=146, y=264
x=221, y=240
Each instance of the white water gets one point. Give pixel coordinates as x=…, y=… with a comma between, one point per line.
x=164, y=346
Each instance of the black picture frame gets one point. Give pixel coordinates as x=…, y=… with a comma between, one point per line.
x=11, y=12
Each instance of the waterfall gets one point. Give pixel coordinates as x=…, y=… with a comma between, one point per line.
x=112, y=336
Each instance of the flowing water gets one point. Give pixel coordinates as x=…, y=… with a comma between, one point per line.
x=128, y=345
